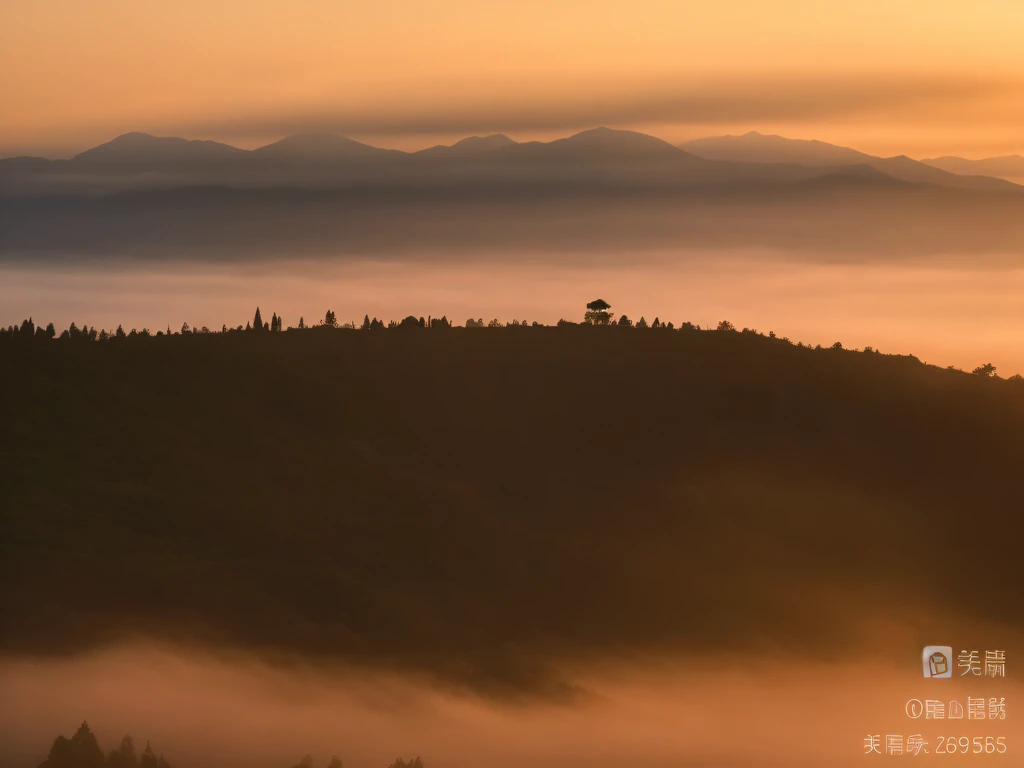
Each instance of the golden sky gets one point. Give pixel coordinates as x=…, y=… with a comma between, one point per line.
x=921, y=77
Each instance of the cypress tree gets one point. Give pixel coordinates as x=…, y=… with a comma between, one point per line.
x=124, y=756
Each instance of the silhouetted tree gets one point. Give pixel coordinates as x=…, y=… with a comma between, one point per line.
x=597, y=312
x=150, y=760
x=366, y=323
x=330, y=319
x=80, y=751
x=416, y=762
x=985, y=370
x=641, y=323
x=411, y=322
x=624, y=322
x=124, y=756
x=1016, y=378
x=725, y=325
x=257, y=322
x=478, y=323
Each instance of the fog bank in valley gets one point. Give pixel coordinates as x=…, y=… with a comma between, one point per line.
x=204, y=709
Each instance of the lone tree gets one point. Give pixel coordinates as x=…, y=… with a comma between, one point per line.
x=985, y=370
x=597, y=312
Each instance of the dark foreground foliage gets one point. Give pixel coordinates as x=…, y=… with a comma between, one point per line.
x=481, y=505
x=83, y=751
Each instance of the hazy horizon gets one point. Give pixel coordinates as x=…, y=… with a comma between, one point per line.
x=453, y=138
x=938, y=81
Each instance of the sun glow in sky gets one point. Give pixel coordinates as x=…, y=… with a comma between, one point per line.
x=920, y=77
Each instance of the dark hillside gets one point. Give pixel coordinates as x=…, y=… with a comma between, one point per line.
x=482, y=503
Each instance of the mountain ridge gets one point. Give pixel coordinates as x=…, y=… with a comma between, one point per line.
x=769, y=148
x=137, y=146
x=1009, y=167
x=595, y=156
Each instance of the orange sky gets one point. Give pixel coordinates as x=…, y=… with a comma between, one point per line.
x=921, y=77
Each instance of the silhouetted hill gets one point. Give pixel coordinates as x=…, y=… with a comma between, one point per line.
x=140, y=150
x=601, y=188
x=317, y=161
x=26, y=164
x=485, y=504
x=754, y=147
x=602, y=142
x=324, y=160
x=319, y=147
x=907, y=169
x=470, y=145
x=1009, y=167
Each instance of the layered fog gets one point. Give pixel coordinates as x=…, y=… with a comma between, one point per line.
x=201, y=708
x=948, y=309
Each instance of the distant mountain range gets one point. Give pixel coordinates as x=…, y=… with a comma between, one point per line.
x=754, y=147
x=600, y=190
x=1010, y=167
x=600, y=157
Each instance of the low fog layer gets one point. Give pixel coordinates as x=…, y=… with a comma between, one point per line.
x=204, y=710
x=957, y=309
x=872, y=220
